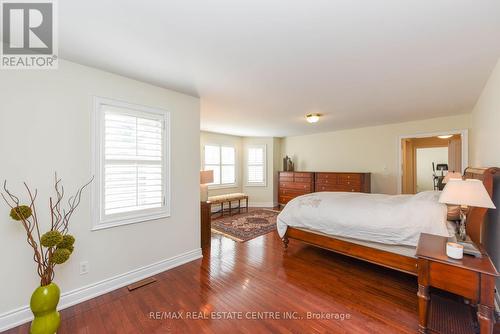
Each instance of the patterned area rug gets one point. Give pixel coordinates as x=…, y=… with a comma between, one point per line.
x=246, y=226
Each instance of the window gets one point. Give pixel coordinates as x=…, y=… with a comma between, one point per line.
x=222, y=160
x=256, y=165
x=131, y=168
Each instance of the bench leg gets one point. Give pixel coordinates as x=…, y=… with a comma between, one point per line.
x=247, y=204
x=230, y=208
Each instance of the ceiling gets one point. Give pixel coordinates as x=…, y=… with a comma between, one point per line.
x=260, y=65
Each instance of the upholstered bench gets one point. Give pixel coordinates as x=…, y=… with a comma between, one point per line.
x=229, y=198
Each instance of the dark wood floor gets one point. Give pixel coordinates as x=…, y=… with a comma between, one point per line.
x=257, y=276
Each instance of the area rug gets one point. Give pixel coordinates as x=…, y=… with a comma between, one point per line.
x=246, y=226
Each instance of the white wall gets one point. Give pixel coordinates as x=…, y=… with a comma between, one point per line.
x=207, y=138
x=485, y=135
x=425, y=157
x=485, y=141
x=371, y=149
x=277, y=166
x=262, y=196
x=45, y=118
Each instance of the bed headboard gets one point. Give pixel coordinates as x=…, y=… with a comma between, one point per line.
x=477, y=216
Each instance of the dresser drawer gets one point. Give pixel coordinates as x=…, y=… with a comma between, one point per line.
x=326, y=176
x=303, y=175
x=327, y=187
x=349, y=188
x=286, y=178
x=326, y=181
x=303, y=179
x=453, y=279
x=292, y=192
x=294, y=185
x=350, y=177
x=284, y=199
x=338, y=187
x=286, y=174
x=348, y=181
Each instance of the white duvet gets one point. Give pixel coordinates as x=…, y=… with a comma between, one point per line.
x=388, y=219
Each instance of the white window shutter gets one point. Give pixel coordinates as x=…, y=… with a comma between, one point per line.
x=133, y=156
x=256, y=169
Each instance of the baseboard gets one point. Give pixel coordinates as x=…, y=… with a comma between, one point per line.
x=262, y=204
x=23, y=314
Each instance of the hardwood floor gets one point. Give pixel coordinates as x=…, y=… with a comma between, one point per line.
x=257, y=276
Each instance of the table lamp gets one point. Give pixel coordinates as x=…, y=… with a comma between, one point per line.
x=470, y=192
x=206, y=177
x=452, y=175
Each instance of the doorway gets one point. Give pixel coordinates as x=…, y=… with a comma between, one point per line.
x=428, y=161
x=425, y=160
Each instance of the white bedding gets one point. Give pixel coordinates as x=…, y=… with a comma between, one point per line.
x=388, y=219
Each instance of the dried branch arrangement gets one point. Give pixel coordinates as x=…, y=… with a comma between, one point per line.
x=55, y=246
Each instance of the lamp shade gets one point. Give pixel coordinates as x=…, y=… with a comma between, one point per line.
x=468, y=192
x=452, y=175
x=206, y=176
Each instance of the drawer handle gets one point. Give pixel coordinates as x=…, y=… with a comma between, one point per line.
x=348, y=182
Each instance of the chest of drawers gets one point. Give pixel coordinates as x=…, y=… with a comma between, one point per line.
x=352, y=182
x=293, y=184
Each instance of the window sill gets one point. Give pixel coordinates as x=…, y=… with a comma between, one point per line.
x=127, y=221
x=223, y=186
x=256, y=185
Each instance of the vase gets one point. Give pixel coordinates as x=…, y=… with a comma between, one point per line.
x=43, y=304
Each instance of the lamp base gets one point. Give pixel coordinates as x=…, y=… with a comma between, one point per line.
x=462, y=231
x=470, y=248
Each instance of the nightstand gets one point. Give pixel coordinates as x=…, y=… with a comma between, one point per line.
x=471, y=277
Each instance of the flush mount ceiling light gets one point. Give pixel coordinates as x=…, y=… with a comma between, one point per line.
x=445, y=136
x=312, y=118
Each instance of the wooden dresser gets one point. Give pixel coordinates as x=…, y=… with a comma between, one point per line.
x=206, y=225
x=357, y=182
x=293, y=184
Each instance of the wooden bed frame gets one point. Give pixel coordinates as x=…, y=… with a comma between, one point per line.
x=475, y=220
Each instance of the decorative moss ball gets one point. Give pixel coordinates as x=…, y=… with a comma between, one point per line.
x=20, y=212
x=60, y=256
x=67, y=241
x=70, y=248
x=51, y=239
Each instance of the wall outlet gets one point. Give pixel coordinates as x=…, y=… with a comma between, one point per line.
x=84, y=268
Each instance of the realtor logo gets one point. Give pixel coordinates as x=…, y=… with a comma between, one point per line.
x=28, y=35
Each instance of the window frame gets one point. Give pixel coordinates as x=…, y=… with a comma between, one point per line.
x=223, y=185
x=99, y=219
x=264, y=164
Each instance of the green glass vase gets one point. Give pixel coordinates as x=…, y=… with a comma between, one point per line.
x=43, y=304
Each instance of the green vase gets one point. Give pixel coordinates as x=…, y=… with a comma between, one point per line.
x=43, y=304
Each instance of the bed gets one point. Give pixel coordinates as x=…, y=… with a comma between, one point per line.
x=389, y=243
